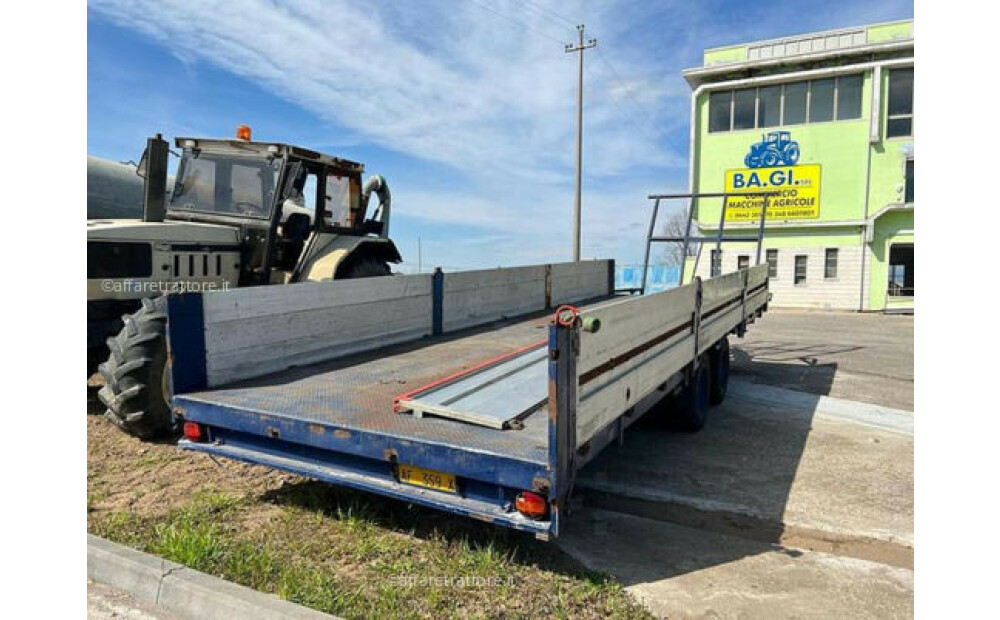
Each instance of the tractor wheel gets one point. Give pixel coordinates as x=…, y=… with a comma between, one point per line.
x=771, y=159
x=791, y=156
x=366, y=268
x=136, y=388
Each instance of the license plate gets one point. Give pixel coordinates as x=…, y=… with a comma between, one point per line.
x=427, y=478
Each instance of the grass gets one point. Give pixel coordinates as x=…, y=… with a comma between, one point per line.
x=347, y=553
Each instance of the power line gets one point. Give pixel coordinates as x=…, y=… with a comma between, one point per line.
x=570, y=23
x=628, y=93
x=517, y=21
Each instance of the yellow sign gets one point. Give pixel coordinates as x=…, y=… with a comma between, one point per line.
x=797, y=187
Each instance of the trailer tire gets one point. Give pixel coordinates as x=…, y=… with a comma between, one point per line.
x=691, y=404
x=720, y=372
x=136, y=384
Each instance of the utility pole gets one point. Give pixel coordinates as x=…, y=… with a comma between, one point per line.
x=579, y=48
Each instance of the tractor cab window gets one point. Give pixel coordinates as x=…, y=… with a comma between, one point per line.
x=339, y=208
x=225, y=185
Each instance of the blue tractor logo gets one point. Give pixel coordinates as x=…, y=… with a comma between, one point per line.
x=775, y=149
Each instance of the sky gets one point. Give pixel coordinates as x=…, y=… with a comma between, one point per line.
x=467, y=107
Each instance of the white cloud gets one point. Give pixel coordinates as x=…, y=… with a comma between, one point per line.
x=452, y=82
x=449, y=82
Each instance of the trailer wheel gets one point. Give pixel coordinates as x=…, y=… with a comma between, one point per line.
x=720, y=372
x=136, y=388
x=691, y=405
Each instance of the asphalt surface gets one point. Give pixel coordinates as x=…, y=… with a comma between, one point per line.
x=862, y=357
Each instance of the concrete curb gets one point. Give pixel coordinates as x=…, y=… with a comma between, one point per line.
x=183, y=591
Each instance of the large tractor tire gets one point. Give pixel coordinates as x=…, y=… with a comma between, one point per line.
x=136, y=388
x=366, y=268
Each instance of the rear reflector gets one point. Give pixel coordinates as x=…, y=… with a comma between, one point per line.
x=531, y=505
x=192, y=431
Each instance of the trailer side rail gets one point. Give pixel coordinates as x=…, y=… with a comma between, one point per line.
x=633, y=349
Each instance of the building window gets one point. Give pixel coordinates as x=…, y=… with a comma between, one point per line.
x=901, y=270
x=900, y=107
x=821, y=94
x=848, y=97
x=716, y=266
x=815, y=101
x=772, y=263
x=743, y=261
x=720, y=111
x=769, y=106
x=909, y=181
x=796, y=96
x=830, y=264
x=800, y=269
x=745, y=108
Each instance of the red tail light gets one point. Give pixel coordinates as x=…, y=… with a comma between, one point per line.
x=531, y=505
x=192, y=431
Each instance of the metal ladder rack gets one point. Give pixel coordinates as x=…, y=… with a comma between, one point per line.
x=719, y=238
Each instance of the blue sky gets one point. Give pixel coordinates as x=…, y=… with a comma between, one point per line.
x=466, y=106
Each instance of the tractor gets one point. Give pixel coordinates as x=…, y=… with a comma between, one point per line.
x=239, y=213
x=775, y=149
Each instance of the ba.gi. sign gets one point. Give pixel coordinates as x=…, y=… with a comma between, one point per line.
x=771, y=167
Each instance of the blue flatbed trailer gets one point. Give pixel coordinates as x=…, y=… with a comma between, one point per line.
x=308, y=378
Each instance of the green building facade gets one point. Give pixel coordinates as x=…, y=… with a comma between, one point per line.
x=823, y=122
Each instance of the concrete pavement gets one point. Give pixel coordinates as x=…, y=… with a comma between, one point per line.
x=679, y=572
x=771, y=469
x=107, y=603
x=861, y=357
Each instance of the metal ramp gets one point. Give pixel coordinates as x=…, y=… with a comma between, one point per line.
x=496, y=393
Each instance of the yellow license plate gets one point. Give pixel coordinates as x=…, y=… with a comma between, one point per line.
x=427, y=478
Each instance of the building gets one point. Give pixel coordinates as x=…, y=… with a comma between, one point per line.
x=825, y=120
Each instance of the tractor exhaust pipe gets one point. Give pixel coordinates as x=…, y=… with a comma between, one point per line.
x=154, y=169
x=377, y=184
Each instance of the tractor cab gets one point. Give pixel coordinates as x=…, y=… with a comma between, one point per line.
x=283, y=199
x=239, y=213
x=778, y=138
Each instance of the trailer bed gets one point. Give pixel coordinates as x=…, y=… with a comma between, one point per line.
x=356, y=393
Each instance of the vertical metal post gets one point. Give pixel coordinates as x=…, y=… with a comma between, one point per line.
x=563, y=349
x=579, y=48
x=684, y=251
x=649, y=242
x=437, y=301
x=760, y=231
x=722, y=225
